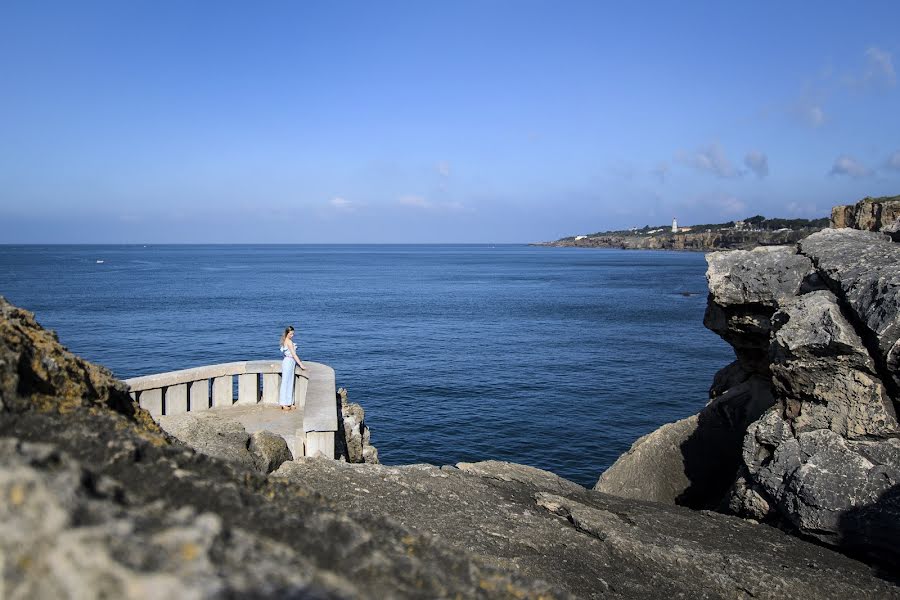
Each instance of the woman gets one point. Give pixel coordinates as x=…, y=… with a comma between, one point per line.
x=289, y=352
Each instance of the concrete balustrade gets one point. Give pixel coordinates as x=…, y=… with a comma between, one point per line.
x=258, y=383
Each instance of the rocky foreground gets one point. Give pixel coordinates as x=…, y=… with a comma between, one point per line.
x=801, y=433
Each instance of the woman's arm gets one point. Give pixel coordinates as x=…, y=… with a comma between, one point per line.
x=300, y=364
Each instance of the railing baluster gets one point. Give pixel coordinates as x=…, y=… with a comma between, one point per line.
x=271, y=382
x=223, y=391
x=176, y=399
x=199, y=395
x=151, y=400
x=248, y=388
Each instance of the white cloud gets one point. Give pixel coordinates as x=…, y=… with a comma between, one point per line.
x=813, y=115
x=847, y=165
x=710, y=159
x=419, y=202
x=758, y=163
x=342, y=204
x=893, y=161
x=880, y=68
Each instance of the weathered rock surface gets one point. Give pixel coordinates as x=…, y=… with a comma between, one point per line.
x=816, y=328
x=269, y=451
x=592, y=544
x=870, y=214
x=863, y=270
x=213, y=434
x=357, y=437
x=822, y=373
x=692, y=462
x=721, y=239
x=745, y=289
x=100, y=502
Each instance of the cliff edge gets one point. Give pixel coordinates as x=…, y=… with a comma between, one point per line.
x=801, y=430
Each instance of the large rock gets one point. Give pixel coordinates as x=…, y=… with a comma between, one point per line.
x=692, y=462
x=589, y=543
x=269, y=451
x=843, y=493
x=745, y=289
x=818, y=327
x=863, y=270
x=871, y=214
x=213, y=434
x=822, y=373
x=357, y=446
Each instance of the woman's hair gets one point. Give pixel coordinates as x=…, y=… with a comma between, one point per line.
x=284, y=335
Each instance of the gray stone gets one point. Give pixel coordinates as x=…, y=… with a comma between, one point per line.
x=269, y=450
x=871, y=214
x=823, y=374
x=765, y=276
x=212, y=434
x=861, y=268
x=692, y=462
x=355, y=445
x=588, y=543
x=745, y=288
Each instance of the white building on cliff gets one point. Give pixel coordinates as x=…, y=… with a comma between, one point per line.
x=674, y=225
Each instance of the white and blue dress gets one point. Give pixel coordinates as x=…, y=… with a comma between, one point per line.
x=286, y=397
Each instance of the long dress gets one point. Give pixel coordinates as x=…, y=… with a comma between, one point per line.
x=286, y=397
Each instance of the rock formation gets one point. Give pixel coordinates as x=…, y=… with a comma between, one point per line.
x=725, y=239
x=357, y=446
x=99, y=502
x=870, y=214
x=801, y=430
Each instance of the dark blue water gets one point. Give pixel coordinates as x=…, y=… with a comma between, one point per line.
x=553, y=357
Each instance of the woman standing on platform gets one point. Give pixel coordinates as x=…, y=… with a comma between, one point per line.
x=289, y=352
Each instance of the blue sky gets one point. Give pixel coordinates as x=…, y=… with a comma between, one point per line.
x=484, y=121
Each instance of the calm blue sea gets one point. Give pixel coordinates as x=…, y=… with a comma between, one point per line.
x=553, y=357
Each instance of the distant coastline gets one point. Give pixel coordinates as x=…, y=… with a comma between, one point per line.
x=746, y=234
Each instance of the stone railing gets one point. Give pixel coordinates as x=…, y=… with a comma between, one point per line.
x=258, y=382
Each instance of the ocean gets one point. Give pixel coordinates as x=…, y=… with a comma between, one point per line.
x=557, y=358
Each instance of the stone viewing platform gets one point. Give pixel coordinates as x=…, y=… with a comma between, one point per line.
x=247, y=392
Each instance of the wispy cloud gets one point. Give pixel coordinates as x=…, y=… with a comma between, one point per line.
x=878, y=73
x=758, y=163
x=443, y=168
x=811, y=114
x=710, y=159
x=893, y=161
x=415, y=201
x=849, y=166
x=342, y=204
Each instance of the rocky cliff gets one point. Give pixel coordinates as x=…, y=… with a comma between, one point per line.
x=724, y=239
x=99, y=502
x=801, y=430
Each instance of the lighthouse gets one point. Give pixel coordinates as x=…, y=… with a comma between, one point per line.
x=674, y=225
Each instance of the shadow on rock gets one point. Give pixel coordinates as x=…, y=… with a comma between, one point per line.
x=872, y=533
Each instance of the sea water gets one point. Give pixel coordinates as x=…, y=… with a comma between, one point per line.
x=557, y=358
